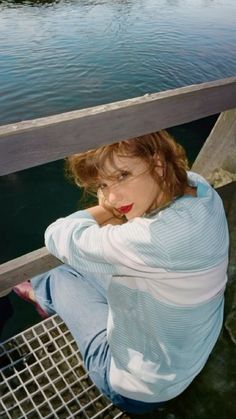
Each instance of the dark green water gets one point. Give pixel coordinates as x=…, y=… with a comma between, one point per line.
x=56, y=56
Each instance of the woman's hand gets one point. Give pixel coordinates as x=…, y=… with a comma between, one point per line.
x=103, y=202
x=104, y=213
x=116, y=217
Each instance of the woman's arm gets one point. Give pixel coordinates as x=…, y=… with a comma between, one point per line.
x=103, y=216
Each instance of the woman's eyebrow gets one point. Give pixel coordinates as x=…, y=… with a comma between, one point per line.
x=117, y=171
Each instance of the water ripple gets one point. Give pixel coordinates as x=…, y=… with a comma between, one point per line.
x=56, y=56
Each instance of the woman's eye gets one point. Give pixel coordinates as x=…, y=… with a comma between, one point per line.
x=102, y=186
x=123, y=175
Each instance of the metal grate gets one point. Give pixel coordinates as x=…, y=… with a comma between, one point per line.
x=42, y=376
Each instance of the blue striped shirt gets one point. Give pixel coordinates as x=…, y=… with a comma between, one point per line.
x=166, y=294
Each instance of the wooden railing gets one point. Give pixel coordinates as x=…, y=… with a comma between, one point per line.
x=31, y=143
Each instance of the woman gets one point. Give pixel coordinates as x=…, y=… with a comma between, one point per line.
x=142, y=285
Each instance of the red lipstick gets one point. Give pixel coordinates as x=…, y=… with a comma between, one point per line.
x=125, y=209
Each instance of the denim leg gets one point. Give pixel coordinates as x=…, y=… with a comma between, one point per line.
x=81, y=302
x=80, y=299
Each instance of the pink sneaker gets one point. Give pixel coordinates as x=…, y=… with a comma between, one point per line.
x=23, y=291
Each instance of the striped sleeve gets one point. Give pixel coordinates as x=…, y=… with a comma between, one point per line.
x=190, y=235
x=79, y=241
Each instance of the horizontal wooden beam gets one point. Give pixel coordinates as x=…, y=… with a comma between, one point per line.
x=31, y=143
x=26, y=267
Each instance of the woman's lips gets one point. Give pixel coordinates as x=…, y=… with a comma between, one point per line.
x=125, y=209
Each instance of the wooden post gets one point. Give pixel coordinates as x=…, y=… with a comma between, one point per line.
x=219, y=150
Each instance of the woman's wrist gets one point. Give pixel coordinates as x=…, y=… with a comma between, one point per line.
x=102, y=215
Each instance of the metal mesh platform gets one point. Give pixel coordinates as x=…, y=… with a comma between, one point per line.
x=42, y=376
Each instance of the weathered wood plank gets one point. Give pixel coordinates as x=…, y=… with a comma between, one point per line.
x=25, y=267
x=31, y=143
x=219, y=150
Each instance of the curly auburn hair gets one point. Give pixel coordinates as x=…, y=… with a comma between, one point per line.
x=87, y=168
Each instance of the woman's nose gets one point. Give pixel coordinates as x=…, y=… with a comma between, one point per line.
x=114, y=197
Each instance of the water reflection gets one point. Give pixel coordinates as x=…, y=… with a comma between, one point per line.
x=9, y=3
x=51, y=2
x=69, y=54
x=89, y=2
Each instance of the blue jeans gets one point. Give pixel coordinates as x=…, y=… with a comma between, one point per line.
x=81, y=302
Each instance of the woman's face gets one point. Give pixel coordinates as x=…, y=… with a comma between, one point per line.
x=132, y=190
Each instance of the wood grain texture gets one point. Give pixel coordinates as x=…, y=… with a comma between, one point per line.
x=25, y=267
x=31, y=143
x=219, y=150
